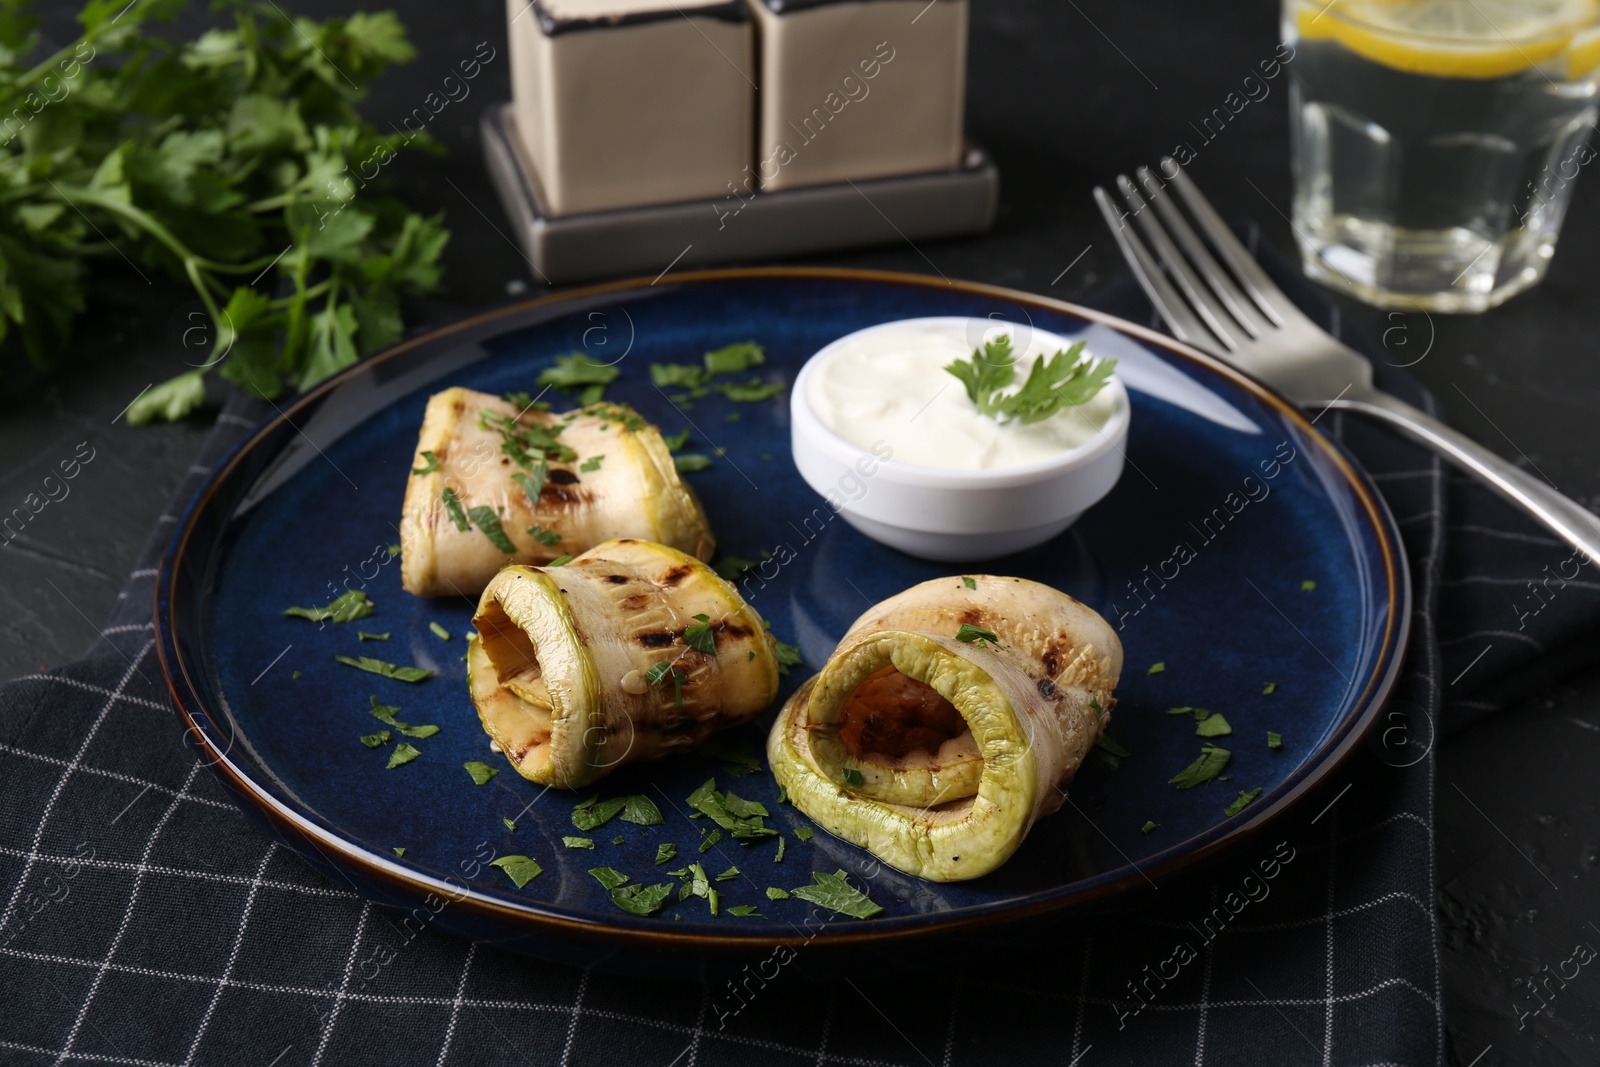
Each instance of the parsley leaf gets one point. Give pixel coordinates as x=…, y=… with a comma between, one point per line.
x=481, y=772
x=1307, y=586
x=1274, y=739
x=787, y=655
x=388, y=670
x=1269, y=689
x=968, y=582
x=666, y=852
x=641, y=899
x=453, y=508
x=1147, y=827
x=732, y=568
x=735, y=358
x=834, y=892
x=751, y=392
x=1213, y=725
x=591, y=464
x=1111, y=753
x=728, y=875
x=402, y=754
x=346, y=607
x=362, y=635
x=774, y=893
x=520, y=869
x=661, y=673
x=559, y=561
x=741, y=818
x=510, y=826
x=485, y=519
x=594, y=813
x=578, y=373
x=578, y=842
x=641, y=811
x=430, y=466
x=852, y=776
x=1065, y=379
x=700, y=636
x=533, y=483
x=970, y=634
x=691, y=462
x=1207, y=766
x=376, y=740
x=1157, y=668
x=1243, y=801
x=803, y=833
x=609, y=877
x=743, y=910
x=710, y=841
x=545, y=537
x=676, y=441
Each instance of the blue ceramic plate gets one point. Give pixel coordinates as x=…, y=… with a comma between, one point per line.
x=1230, y=506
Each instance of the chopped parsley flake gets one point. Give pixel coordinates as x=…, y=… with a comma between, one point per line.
x=481, y=772
x=968, y=582
x=741, y=818
x=700, y=636
x=663, y=672
x=578, y=842
x=641, y=811
x=1269, y=689
x=559, y=561
x=852, y=776
x=728, y=875
x=617, y=840
x=1244, y=800
x=751, y=392
x=732, y=568
x=386, y=714
x=1111, y=753
x=1274, y=739
x=675, y=442
x=394, y=550
x=970, y=634
x=347, y=607
x=735, y=358
x=398, y=851
x=777, y=857
x=431, y=464
x=592, y=464
x=1157, y=668
x=520, y=869
x=402, y=754
x=834, y=892
x=641, y=899
x=774, y=893
x=1213, y=725
x=439, y=631
x=1207, y=766
x=1307, y=586
x=609, y=877
x=666, y=852
x=508, y=824
x=388, y=670
x=1094, y=706
x=803, y=833
x=743, y=910
x=787, y=656
x=691, y=462
x=453, y=508
x=486, y=520
x=363, y=635
x=710, y=841
x=578, y=373
x=543, y=536
x=376, y=740
x=594, y=813
x=533, y=482
x=1147, y=827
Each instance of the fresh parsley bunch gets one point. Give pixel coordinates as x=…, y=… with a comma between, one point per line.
x=236, y=162
x=1059, y=381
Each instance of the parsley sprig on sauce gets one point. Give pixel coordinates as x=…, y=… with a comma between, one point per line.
x=1063, y=380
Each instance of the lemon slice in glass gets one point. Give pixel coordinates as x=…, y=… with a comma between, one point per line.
x=1456, y=38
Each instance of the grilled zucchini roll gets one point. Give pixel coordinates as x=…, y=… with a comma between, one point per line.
x=492, y=484
x=629, y=652
x=947, y=721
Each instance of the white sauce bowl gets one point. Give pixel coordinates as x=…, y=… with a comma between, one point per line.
x=953, y=515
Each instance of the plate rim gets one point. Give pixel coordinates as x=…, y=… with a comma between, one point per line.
x=536, y=917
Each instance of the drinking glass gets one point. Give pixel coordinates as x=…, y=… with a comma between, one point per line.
x=1435, y=143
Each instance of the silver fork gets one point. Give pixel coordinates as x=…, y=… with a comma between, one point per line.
x=1220, y=301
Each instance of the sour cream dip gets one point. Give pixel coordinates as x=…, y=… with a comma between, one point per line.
x=888, y=384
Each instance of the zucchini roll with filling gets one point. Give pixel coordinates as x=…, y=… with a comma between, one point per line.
x=629, y=652
x=492, y=483
x=947, y=721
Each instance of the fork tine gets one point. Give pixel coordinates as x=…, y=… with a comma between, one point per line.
x=1268, y=297
x=1185, y=326
x=1237, y=303
x=1203, y=303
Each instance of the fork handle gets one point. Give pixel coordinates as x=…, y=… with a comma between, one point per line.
x=1568, y=519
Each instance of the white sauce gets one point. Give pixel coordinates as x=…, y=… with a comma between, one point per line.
x=890, y=385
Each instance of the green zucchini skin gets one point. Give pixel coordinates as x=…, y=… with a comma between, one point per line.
x=1034, y=700
x=559, y=668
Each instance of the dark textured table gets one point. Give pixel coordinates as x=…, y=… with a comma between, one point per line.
x=1065, y=95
